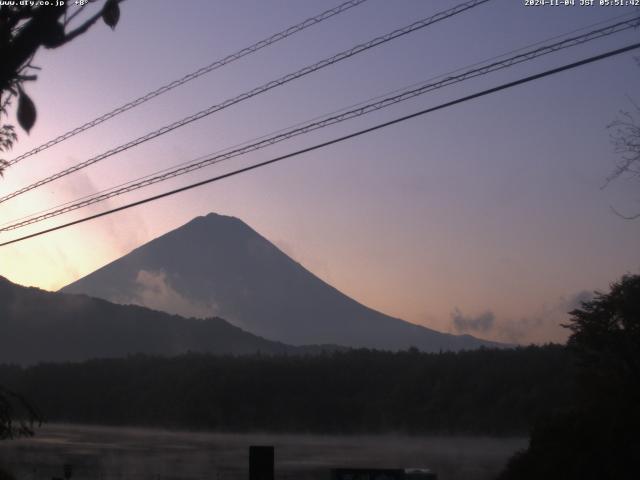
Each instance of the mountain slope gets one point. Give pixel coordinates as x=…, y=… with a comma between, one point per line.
x=36, y=325
x=219, y=265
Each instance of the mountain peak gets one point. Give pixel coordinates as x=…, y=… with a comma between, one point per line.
x=213, y=220
x=213, y=216
x=218, y=264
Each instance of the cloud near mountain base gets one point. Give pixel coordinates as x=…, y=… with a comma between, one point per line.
x=540, y=327
x=153, y=290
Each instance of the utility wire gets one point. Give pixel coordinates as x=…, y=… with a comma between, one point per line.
x=343, y=109
x=315, y=125
x=193, y=75
x=256, y=91
x=334, y=112
x=335, y=140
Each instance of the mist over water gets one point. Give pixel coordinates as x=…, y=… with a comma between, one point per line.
x=111, y=453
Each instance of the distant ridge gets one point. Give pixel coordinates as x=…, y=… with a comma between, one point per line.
x=39, y=326
x=218, y=264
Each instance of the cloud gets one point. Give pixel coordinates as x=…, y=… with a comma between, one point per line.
x=547, y=323
x=576, y=300
x=480, y=323
x=125, y=230
x=527, y=330
x=153, y=290
x=542, y=326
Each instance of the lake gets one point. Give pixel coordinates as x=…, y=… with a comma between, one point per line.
x=115, y=453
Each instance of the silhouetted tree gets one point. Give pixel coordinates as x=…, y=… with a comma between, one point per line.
x=625, y=137
x=606, y=338
x=17, y=416
x=23, y=30
x=598, y=437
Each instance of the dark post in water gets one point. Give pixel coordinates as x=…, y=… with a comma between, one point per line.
x=261, y=462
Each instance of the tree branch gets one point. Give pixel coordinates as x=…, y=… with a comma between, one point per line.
x=626, y=217
x=82, y=28
x=74, y=15
x=87, y=24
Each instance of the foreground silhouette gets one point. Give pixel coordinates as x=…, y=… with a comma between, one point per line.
x=598, y=437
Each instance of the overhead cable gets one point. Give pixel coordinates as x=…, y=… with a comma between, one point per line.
x=333, y=141
x=251, y=93
x=325, y=122
x=192, y=76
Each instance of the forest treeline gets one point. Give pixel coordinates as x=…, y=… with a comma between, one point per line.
x=484, y=391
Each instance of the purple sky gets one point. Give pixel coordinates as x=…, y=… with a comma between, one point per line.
x=486, y=218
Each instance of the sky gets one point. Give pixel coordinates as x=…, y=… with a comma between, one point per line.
x=486, y=218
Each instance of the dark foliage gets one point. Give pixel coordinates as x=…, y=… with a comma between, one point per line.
x=599, y=437
x=24, y=28
x=606, y=338
x=582, y=444
x=484, y=391
x=4, y=475
x=17, y=416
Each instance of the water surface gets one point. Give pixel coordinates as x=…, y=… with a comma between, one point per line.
x=113, y=453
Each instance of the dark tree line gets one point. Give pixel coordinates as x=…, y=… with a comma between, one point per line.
x=484, y=391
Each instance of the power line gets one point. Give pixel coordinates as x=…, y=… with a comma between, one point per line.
x=335, y=140
x=343, y=109
x=256, y=91
x=263, y=142
x=334, y=112
x=193, y=75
